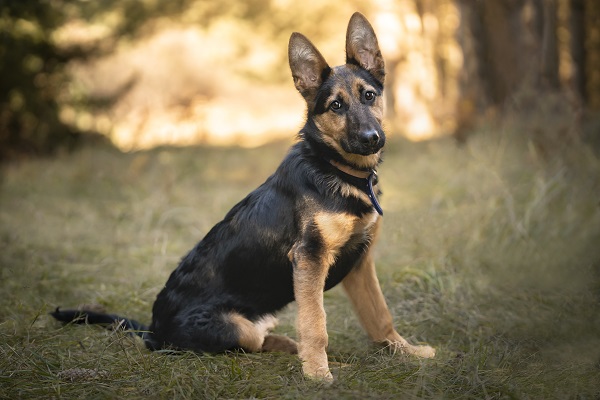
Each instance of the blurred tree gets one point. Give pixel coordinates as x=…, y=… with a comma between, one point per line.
x=31, y=71
x=472, y=82
x=591, y=49
x=32, y=65
x=508, y=34
x=509, y=45
x=576, y=27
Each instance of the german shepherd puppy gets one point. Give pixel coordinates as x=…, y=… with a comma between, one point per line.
x=310, y=226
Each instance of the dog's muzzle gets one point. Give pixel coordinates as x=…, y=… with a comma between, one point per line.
x=369, y=142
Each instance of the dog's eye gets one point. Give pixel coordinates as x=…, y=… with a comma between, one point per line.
x=369, y=95
x=335, y=105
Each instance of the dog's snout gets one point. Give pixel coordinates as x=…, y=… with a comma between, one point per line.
x=370, y=137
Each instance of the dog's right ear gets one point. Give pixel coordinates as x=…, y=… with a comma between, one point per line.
x=309, y=68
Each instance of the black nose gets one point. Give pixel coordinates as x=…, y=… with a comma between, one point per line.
x=370, y=137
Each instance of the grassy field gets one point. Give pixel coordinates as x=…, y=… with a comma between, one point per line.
x=489, y=253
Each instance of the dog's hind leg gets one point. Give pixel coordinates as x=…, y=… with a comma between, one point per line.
x=251, y=335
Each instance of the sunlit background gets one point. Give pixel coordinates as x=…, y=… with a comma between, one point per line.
x=225, y=79
x=148, y=73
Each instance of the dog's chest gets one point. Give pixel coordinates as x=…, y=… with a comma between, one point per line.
x=347, y=259
x=347, y=239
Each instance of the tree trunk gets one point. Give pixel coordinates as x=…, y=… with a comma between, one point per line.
x=592, y=59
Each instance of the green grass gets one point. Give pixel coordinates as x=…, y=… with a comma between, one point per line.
x=488, y=253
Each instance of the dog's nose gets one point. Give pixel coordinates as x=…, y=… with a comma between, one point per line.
x=370, y=137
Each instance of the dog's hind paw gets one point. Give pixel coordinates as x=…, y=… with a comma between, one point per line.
x=423, y=351
x=280, y=343
x=403, y=347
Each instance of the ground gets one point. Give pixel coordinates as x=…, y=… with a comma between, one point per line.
x=489, y=252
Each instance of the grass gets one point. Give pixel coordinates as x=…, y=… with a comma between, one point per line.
x=488, y=253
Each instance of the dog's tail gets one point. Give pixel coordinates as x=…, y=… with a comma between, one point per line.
x=83, y=316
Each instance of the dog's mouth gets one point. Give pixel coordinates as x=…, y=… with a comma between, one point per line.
x=363, y=147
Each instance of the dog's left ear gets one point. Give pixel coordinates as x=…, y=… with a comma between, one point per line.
x=362, y=48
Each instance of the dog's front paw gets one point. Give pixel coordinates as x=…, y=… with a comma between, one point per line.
x=423, y=351
x=317, y=372
x=314, y=362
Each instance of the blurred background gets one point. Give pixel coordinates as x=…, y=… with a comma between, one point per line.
x=177, y=109
x=146, y=73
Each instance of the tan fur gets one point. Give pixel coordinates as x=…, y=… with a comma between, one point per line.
x=335, y=230
x=309, y=280
x=370, y=161
x=252, y=334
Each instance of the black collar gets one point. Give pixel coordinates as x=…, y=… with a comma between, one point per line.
x=364, y=180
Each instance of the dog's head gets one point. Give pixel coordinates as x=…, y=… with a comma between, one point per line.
x=344, y=103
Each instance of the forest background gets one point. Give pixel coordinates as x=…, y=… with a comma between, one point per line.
x=147, y=73
x=128, y=128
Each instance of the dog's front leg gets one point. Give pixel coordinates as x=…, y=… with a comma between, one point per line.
x=309, y=281
x=362, y=287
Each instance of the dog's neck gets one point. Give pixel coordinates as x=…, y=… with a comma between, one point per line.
x=357, y=173
x=368, y=178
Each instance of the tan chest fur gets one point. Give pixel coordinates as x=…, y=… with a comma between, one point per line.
x=336, y=229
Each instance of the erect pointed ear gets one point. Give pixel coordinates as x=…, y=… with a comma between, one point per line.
x=309, y=68
x=362, y=48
